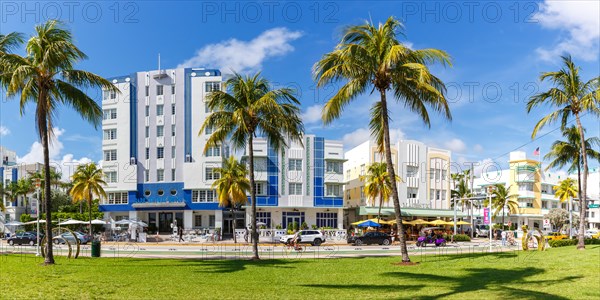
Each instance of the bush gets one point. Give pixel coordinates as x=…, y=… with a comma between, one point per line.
x=304, y=226
x=571, y=242
x=458, y=238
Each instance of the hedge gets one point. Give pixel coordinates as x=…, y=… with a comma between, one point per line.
x=458, y=238
x=572, y=242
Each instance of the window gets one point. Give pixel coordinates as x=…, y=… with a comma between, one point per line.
x=172, y=129
x=444, y=176
x=431, y=173
x=117, y=198
x=213, y=151
x=438, y=195
x=259, y=187
x=197, y=220
x=160, y=175
x=173, y=152
x=211, y=221
x=173, y=176
x=333, y=190
x=437, y=174
x=113, y=95
x=104, y=95
x=210, y=174
x=295, y=165
x=204, y=196
x=334, y=167
x=264, y=217
x=208, y=130
x=412, y=171
x=173, y=90
x=362, y=170
x=110, y=155
x=212, y=86
x=147, y=131
x=147, y=153
x=432, y=194
x=260, y=164
x=160, y=130
x=147, y=111
x=160, y=152
x=160, y=192
x=110, y=134
x=109, y=114
x=411, y=193
x=173, y=109
x=160, y=110
x=147, y=91
x=159, y=90
x=111, y=176
x=207, y=108
x=327, y=220
x=147, y=175
x=526, y=203
x=295, y=188
x=526, y=187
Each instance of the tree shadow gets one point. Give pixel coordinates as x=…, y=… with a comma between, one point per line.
x=489, y=279
x=231, y=266
x=367, y=287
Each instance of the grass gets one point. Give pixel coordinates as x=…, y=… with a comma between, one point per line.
x=559, y=273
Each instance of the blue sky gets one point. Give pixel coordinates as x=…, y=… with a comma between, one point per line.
x=498, y=50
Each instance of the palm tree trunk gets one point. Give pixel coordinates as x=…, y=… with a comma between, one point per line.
x=503, y=215
x=583, y=184
x=234, y=235
x=49, y=259
x=578, y=194
x=90, y=209
x=392, y=173
x=253, y=198
x=379, y=213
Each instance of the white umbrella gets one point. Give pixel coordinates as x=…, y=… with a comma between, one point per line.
x=123, y=222
x=14, y=223
x=140, y=223
x=34, y=222
x=261, y=224
x=98, y=222
x=71, y=222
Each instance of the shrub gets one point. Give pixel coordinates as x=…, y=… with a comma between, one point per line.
x=313, y=226
x=458, y=238
x=278, y=226
x=572, y=242
x=304, y=226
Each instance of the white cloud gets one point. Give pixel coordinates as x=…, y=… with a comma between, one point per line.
x=312, y=114
x=362, y=135
x=478, y=148
x=244, y=56
x=581, y=21
x=4, y=130
x=455, y=145
x=65, y=164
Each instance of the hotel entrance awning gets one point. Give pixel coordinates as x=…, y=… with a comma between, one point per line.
x=412, y=212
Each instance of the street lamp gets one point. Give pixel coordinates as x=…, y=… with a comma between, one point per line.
x=489, y=213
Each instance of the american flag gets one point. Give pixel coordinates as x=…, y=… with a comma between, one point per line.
x=537, y=151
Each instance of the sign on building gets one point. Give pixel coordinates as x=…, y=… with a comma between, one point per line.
x=486, y=216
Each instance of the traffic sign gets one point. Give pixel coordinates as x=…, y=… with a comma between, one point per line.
x=594, y=206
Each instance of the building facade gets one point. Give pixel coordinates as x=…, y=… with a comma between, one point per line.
x=154, y=159
x=20, y=204
x=302, y=183
x=423, y=192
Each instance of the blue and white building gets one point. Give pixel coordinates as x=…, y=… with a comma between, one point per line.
x=153, y=156
x=302, y=183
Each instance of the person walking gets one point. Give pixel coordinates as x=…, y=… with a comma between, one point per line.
x=503, y=234
x=180, y=231
x=246, y=234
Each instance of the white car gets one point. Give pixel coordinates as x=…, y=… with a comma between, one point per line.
x=482, y=230
x=313, y=237
x=588, y=233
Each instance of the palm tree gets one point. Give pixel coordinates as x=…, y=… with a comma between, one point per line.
x=232, y=186
x=567, y=152
x=378, y=185
x=248, y=107
x=25, y=186
x=88, y=181
x=12, y=191
x=45, y=77
x=501, y=199
x=565, y=190
x=2, y=194
x=573, y=97
x=371, y=58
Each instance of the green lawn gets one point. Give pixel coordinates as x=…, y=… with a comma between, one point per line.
x=558, y=273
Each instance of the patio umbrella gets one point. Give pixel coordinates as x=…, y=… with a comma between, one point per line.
x=14, y=223
x=462, y=223
x=439, y=222
x=34, y=222
x=71, y=222
x=368, y=223
x=98, y=222
x=140, y=223
x=123, y=222
x=261, y=224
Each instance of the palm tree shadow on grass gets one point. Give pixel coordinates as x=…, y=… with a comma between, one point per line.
x=231, y=266
x=368, y=287
x=489, y=279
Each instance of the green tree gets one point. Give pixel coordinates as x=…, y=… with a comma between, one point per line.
x=46, y=78
x=88, y=181
x=501, y=200
x=572, y=97
x=566, y=191
x=378, y=185
x=2, y=194
x=249, y=107
x=25, y=187
x=371, y=58
x=232, y=187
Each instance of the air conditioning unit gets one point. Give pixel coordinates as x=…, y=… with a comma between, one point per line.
x=132, y=161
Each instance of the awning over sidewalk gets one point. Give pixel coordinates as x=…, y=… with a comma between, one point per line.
x=412, y=212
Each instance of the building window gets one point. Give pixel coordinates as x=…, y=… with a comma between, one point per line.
x=444, y=175
x=173, y=152
x=110, y=155
x=147, y=153
x=160, y=175
x=111, y=176
x=160, y=110
x=334, y=167
x=327, y=220
x=160, y=152
x=432, y=194
x=110, y=134
x=147, y=175
x=172, y=129
x=173, y=109
x=147, y=111
x=172, y=174
x=213, y=151
x=527, y=203
x=362, y=170
x=109, y=114
x=159, y=90
x=210, y=174
x=113, y=95
x=333, y=190
x=160, y=130
x=411, y=193
x=431, y=173
x=264, y=217
x=197, y=220
x=117, y=198
x=208, y=130
x=295, y=164
x=526, y=187
x=412, y=171
x=147, y=91
x=212, y=86
x=260, y=164
x=259, y=187
x=207, y=108
x=204, y=196
x=211, y=221
x=147, y=131
x=104, y=95
x=295, y=188
x=173, y=90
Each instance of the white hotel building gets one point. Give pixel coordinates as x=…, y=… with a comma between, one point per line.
x=153, y=155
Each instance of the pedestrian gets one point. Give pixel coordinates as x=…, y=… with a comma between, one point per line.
x=180, y=231
x=246, y=234
x=503, y=234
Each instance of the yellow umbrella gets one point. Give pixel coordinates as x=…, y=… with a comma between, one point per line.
x=462, y=223
x=413, y=222
x=439, y=222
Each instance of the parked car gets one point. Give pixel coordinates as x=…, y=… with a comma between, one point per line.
x=61, y=239
x=24, y=238
x=482, y=230
x=553, y=236
x=313, y=237
x=368, y=238
x=593, y=233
